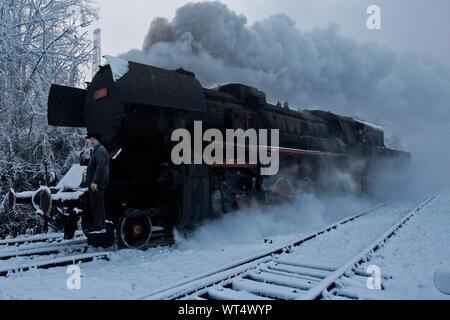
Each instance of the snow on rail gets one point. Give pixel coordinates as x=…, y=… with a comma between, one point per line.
x=36, y=238
x=329, y=280
x=59, y=262
x=209, y=278
x=272, y=275
x=72, y=245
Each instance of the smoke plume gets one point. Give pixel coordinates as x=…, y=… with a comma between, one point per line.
x=160, y=31
x=314, y=69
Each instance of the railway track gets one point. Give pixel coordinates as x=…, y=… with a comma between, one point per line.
x=45, y=249
x=275, y=275
x=58, y=262
x=63, y=252
x=72, y=251
x=54, y=237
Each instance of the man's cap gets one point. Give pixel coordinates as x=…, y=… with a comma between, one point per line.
x=93, y=135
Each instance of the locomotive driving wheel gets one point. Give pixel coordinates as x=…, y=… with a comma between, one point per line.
x=283, y=189
x=135, y=232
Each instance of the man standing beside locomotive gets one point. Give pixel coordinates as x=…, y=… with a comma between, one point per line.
x=97, y=179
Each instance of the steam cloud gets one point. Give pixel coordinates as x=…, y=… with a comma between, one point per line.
x=160, y=31
x=314, y=69
x=251, y=225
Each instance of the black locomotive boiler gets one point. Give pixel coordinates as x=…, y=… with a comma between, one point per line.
x=137, y=111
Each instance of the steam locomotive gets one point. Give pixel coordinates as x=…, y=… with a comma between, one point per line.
x=135, y=108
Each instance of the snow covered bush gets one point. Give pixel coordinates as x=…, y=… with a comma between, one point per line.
x=41, y=42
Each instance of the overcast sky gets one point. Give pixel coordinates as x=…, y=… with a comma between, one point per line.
x=404, y=94
x=419, y=26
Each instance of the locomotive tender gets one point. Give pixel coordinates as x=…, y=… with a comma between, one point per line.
x=135, y=111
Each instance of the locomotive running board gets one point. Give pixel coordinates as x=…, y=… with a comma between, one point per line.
x=66, y=106
x=282, y=150
x=302, y=151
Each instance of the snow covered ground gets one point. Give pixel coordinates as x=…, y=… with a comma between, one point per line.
x=417, y=251
x=411, y=257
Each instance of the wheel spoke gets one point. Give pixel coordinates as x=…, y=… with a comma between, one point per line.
x=135, y=232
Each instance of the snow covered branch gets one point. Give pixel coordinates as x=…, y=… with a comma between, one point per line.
x=41, y=42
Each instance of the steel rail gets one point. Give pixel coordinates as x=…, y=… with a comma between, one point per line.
x=210, y=278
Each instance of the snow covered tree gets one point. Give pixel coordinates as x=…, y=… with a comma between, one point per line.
x=41, y=42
